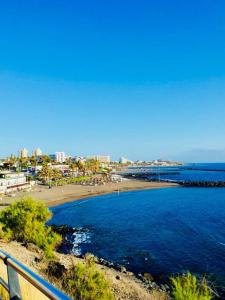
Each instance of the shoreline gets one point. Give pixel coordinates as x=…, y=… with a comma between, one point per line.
x=123, y=284
x=69, y=193
x=98, y=193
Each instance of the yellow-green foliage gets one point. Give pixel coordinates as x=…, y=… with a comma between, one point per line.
x=24, y=221
x=85, y=282
x=188, y=287
x=4, y=294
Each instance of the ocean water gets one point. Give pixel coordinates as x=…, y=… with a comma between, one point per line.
x=190, y=172
x=163, y=231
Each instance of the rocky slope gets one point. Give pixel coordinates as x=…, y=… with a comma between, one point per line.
x=124, y=284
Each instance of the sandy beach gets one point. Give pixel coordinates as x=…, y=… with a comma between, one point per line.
x=61, y=194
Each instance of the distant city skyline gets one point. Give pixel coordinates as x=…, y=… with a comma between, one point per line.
x=139, y=79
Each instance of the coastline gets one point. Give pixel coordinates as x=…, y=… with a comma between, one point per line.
x=124, y=284
x=68, y=193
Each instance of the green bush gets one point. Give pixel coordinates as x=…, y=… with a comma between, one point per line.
x=188, y=287
x=24, y=221
x=85, y=282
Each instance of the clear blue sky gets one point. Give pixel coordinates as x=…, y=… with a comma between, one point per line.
x=141, y=79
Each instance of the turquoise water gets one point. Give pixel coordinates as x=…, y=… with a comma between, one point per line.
x=162, y=231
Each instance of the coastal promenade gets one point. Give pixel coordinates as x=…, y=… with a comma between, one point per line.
x=67, y=193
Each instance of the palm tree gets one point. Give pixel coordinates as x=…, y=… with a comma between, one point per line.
x=33, y=160
x=81, y=167
x=56, y=174
x=46, y=174
x=24, y=162
x=73, y=168
x=11, y=161
x=93, y=165
x=44, y=159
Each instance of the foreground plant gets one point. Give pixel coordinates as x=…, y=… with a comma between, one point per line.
x=188, y=287
x=24, y=221
x=84, y=282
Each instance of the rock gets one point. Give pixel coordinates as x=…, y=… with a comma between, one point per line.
x=63, y=229
x=56, y=269
x=148, y=277
x=33, y=248
x=37, y=259
x=129, y=273
x=162, y=287
x=120, y=268
x=118, y=277
x=166, y=287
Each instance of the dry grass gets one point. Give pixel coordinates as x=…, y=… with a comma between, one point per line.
x=156, y=295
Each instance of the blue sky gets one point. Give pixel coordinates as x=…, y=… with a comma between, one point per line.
x=141, y=79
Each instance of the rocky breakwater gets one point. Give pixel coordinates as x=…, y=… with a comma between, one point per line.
x=203, y=183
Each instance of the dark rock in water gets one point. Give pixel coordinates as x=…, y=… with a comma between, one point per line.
x=118, y=277
x=103, y=262
x=67, y=233
x=63, y=229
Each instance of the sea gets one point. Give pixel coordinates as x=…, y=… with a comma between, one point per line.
x=164, y=231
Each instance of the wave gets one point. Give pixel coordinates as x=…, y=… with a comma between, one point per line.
x=80, y=238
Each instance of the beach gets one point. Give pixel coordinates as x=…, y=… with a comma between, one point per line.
x=67, y=193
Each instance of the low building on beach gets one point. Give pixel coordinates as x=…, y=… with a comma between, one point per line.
x=12, y=181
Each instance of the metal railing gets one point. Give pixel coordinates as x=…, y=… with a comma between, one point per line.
x=20, y=283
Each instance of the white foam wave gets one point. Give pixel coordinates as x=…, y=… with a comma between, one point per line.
x=80, y=238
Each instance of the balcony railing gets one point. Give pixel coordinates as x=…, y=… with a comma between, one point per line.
x=17, y=282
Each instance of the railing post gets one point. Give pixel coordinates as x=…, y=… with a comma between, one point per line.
x=13, y=283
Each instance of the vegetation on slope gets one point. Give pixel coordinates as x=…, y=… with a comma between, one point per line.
x=84, y=282
x=24, y=221
x=188, y=287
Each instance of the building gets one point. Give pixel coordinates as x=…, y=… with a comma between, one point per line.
x=24, y=153
x=124, y=160
x=59, y=157
x=37, y=152
x=80, y=159
x=11, y=181
x=102, y=158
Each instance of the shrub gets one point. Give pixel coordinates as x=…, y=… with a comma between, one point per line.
x=84, y=282
x=188, y=287
x=24, y=221
x=5, y=234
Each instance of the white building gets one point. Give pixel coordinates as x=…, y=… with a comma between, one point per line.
x=10, y=181
x=79, y=158
x=124, y=160
x=60, y=157
x=24, y=153
x=37, y=152
x=102, y=158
